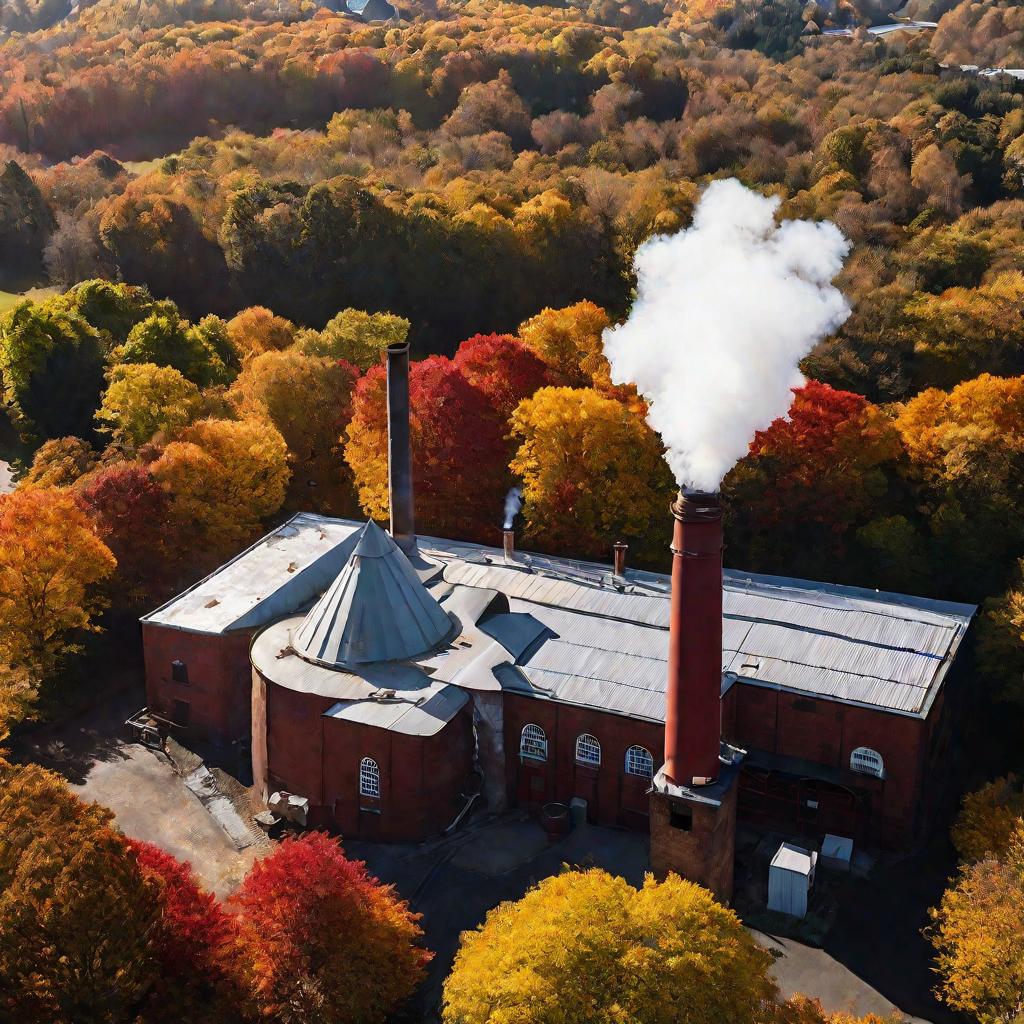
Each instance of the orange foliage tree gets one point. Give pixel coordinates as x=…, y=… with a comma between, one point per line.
x=323, y=941
x=224, y=478
x=978, y=934
x=51, y=565
x=309, y=400
x=76, y=913
x=988, y=818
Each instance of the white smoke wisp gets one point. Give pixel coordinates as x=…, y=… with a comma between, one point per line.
x=513, y=503
x=724, y=312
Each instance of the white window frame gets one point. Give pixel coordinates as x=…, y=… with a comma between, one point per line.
x=636, y=757
x=369, y=777
x=588, y=750
x=866, y=761
x=533, y=743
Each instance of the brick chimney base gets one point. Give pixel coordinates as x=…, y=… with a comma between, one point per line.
x=693, y=832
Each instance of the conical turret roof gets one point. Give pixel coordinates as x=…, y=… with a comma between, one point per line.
x=376, y=610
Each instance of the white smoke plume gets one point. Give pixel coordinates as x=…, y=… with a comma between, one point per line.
x=724, y=312
x=513, y=503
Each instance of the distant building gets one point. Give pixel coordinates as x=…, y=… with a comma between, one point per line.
x=373, y=10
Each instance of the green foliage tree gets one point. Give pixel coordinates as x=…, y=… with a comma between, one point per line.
x=26, y=223
x=165, y=339
x=357, y=337
x=143, y=400
x=51, y=368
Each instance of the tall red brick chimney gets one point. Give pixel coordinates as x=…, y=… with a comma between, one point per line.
x=693, y=706
x=693, y=797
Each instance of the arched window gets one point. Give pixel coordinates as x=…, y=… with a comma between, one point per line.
x=588, y=749
x=639, y=762
x=369, y=777
x=867, y=762
x=533, y=743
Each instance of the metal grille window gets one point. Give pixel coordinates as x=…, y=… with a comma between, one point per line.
x=639, y=762
x=369, y=777
x=588, y=750
x=533, y=743
x=867, y=762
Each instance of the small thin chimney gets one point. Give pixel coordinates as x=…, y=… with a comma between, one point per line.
x=400, y=492
x=693, y=704
x=620, y=549
x=509, y=543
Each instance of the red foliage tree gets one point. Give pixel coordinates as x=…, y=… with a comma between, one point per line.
x=503, y=368
x=130, y=510
x=191, y=942
x=808, y=479
x=322, y=940
x=460, y=456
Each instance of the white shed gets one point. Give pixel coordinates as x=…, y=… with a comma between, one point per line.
x=790, y=878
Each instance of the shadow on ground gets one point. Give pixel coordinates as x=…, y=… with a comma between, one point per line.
x=74, y=747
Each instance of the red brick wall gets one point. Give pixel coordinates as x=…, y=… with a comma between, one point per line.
x=613, y=798
x=826, y=732
x=219, y=675
x=421, y=778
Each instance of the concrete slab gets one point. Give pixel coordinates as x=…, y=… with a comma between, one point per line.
x=500, y=850
x=150, y=802
x=813, y=972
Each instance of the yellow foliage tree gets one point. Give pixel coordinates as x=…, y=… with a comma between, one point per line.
x=143, y=400
x=978, y=933
x=965, y=330
x=257, y=330
x=224, y=478
x=988, y=818
x=592, y=472
x=586, y=946
x=569, y=341
x=309, y=400
x=51, y=563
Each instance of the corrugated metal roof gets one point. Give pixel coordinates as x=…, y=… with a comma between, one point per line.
x=277, y=575
x=575, y=633
x=375, y=610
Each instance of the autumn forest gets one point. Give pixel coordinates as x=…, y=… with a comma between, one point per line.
x=216, y=214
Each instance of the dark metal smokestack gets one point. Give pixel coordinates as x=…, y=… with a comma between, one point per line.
x=508, y=538
x=619, y=564
x=693, y=706
x=400, y=494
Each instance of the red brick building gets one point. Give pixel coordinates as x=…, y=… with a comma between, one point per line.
x=535, y=679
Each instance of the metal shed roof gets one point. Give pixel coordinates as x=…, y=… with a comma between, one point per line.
x=375, y=610
x=572, y=632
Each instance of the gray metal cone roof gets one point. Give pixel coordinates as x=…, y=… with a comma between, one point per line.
x=376, y=610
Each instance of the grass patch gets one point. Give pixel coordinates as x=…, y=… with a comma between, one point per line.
x=8, y=300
